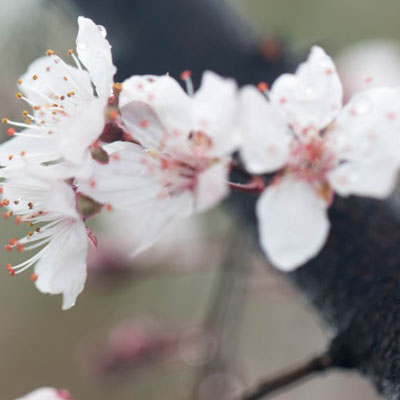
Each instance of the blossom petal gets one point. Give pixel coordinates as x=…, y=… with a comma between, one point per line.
x=155, y=110
x=47, y=393
x=126, y=181
x=143, y=225
x=30, y=146
x=366, y=140
x=79, y=132
x=94, y=51
x=266, y=137
x=212, y=186
x=293, y=224
x=215, y=110
x=371, y=178
x=48, y=78
x=132, y=185
x=62, y=266
x=312, y=97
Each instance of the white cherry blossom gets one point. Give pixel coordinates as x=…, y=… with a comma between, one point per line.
x=300, y=128
x=48, y=207
x=182, y=162
x=47, y=393
x=67, y=113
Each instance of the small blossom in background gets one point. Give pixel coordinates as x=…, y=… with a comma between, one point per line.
x=47, y=393
x=301, y=129
x=147, y=342
x=181, y=165
x=68, y=115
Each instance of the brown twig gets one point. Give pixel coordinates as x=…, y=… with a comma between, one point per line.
x=270, y=385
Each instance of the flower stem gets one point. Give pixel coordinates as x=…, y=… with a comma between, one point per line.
x=268, y=386
x=256, y=185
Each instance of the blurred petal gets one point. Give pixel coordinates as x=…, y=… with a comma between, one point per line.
x=47, y=393
x=312, y=97
x=366, y=139
x=212, y=186
x=293, y=224
x=155, y=109
x=215, y=109
x=266, y=137
x=94, y=51
x=375, y=177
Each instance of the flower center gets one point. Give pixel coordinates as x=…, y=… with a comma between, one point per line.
x=311, y=160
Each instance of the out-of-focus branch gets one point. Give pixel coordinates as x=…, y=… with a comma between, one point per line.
x=223, y=314
x=288, y=378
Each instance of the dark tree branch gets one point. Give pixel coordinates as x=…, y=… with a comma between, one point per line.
x=288, y=378
x=354, y=283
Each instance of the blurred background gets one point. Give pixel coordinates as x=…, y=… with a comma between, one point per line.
x=185, y=319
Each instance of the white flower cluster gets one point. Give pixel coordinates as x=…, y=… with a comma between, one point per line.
x=148, y=152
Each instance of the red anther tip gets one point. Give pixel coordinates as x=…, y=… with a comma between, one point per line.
x=11, y=272
x=8, y=267
x=113, y=114
x=18, y=220
x=10, y=131
x=263, y=86
x=20, y=248
x=108, y=207
x=164, y=164
x=7, y=247
x=92, y=183
x=13, y=242
x=186, y=75
x=144, y=123
x=33, y=277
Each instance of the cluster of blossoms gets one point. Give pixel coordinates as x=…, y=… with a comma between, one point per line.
x=148, y=152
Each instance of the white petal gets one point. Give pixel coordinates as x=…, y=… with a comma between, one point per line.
x=212, y=186
x=45, y=393
x=80, y=131
x=215, y=111
x=371, y=178
x=293, y=224
x=50, y=83
x=312, y=97
x=142, y=225
x=155, y=110
x=94, y=51
x=266, y=136
x=125, y=182
x=62, y=267
x=366, y=140
x=29, y=146
x=61, y=200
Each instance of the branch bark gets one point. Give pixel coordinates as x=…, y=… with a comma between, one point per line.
x=288, y=378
